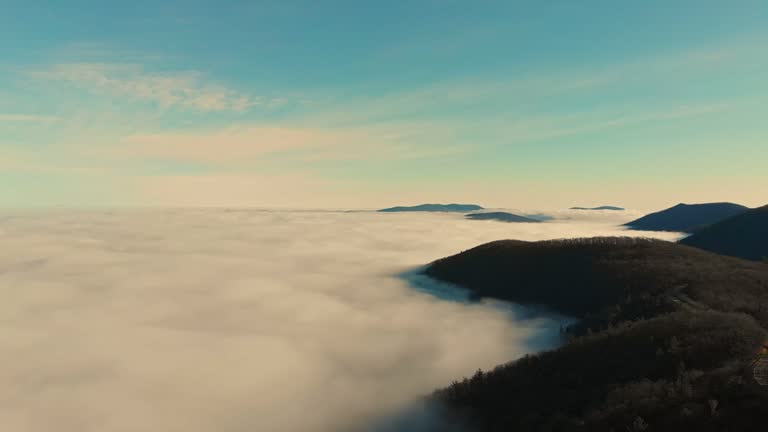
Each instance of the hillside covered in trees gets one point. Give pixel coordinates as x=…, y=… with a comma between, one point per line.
x=744, y=236
x=606, y=280
x=687, y=217
x=666, y=340
x=684, y=371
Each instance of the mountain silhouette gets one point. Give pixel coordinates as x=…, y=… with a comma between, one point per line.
x=687, y=217
x=501, y=217
x=456, y=208
x=540, y=216
x=598, y=208
x=744, y=236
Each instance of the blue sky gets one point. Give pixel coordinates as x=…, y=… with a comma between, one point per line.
x=368, y=104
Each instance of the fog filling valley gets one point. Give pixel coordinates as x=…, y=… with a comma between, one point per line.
x=243, y=320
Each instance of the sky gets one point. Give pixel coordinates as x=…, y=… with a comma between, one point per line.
x=369, y=104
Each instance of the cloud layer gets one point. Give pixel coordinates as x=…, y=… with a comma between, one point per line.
x=242, y=320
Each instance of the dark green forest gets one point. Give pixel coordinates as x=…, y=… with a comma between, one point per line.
x=607, y=280
x=665, y=341
x=678, y=372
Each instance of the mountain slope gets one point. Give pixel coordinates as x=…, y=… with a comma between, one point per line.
x=687, y=217
x=501, y=217
x=607, y=280
x=679, y=372
x=674, y=333
x=744, y=236
x=458, y=208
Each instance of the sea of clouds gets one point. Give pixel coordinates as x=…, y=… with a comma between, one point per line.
x=244, y=320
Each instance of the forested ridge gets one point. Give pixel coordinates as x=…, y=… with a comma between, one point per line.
x=665, y=342
x=744, y=236
x=606, y=280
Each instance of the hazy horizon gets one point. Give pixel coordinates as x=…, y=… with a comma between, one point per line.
x=557, y=213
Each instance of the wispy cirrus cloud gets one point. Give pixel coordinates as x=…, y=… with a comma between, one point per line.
x=185, y=89
x=249, y=143
x=26, y=118
x=534, y=128
x=239, y=147
x=520, y=94
x=228, y=145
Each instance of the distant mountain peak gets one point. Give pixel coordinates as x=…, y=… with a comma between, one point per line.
x=501, y=217
x=744, y=235
x=687, y=217
x=604, y=207
x=454, y=208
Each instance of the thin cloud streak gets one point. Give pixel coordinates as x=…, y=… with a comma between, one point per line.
x=245, y=144
x=514, y=92
x=179, y=89
x=545, y=127
x=27, y=118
